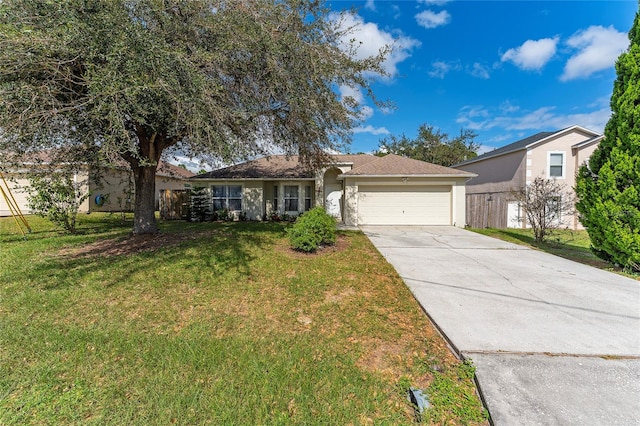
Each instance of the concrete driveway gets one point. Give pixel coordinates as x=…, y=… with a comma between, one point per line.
x=554, y=342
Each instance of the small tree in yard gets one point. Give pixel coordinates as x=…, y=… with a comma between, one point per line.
x=200, y=209
x=545, y=202
x=57, y=196
x=608, y=187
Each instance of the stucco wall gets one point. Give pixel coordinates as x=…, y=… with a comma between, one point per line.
x=16, y=185
x=538, y=157
x=252, y=199
x=116, y=187
x=498, y=174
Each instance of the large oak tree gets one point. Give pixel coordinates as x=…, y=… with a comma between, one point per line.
x=226, y=79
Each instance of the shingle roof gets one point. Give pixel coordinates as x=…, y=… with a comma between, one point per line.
x=171, y=170
x=273, y=167
x=393, y=165
x=282, y=167
x=164, y=168
x=515, y=146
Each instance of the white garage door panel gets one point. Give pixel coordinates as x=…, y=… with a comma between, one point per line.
x=404, y=205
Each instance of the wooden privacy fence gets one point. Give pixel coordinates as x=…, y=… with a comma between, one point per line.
x=486, y=210
x=174, y=203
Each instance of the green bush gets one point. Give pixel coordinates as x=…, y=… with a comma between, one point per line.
x=312, y=230
x=58, y=197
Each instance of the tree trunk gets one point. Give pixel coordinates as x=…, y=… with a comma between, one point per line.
x=144, y=219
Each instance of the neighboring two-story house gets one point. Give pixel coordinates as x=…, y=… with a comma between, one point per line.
x=501, y=172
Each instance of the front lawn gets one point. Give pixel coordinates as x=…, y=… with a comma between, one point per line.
x=572, y=245
x=216, y=323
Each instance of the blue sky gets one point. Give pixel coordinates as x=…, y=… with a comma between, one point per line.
x=505, y=69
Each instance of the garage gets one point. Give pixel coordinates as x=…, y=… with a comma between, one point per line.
x=404, y=205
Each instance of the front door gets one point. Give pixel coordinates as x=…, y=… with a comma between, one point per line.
x=333, y=201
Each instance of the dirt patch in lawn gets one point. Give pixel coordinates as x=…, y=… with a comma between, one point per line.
x=132, y=244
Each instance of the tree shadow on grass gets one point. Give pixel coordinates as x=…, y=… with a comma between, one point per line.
x=218, y=247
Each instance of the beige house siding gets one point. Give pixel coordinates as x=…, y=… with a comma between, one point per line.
x=539, y=156
x=115, y=185
x=17, y=187
x=497, y=176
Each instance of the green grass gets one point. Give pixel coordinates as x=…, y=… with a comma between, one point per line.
x=572, y=245
x=213, y=324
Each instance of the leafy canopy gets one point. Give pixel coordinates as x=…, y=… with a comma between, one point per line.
x=608, y=187
x=433, y=146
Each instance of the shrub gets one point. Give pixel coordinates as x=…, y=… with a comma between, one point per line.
x=57, y=196
x=312, y=230
x=200, y=209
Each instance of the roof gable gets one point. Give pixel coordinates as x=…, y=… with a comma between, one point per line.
x=528, y=142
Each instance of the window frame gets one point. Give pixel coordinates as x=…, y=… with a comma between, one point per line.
x=226, y=197
x=275, y=198
x=308, y=198
x=563, y=166
x=288, y=199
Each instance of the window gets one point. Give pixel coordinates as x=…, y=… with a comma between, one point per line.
x=556, y=165
x=307, y=198
x=275, y=198
x=290, y=198
x=227, y=197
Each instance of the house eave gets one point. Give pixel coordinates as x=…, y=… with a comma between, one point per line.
x=440, y=175
x=250, y=179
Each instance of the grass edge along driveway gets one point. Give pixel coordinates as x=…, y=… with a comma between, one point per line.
x=216, y=323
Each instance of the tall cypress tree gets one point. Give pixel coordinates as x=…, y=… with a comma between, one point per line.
x=608, y=187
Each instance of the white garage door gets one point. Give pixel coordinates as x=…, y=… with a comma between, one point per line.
x=404, y=205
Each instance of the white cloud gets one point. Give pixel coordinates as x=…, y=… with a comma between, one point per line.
x=351, y=92
x=543, y=118
x=366, y=112
x=369, y=40
x=373, y=130
x=431, y=19
x=507, y=107
x=370, y=4
x=442, y=68
x=484, y=149
x=598, y=48
x=480, y=71
x=532, y=54
x=355, y=95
